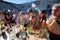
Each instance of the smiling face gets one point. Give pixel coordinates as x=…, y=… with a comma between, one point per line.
x=41, y=14
x=34, y=20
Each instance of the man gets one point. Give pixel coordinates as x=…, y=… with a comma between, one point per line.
x=30, y=14
x=53, y=23
x=15, y=15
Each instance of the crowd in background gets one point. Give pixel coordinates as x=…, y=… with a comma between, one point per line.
x=15, y=17
x=32, y=21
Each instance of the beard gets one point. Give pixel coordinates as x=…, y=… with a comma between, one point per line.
x=58, y=18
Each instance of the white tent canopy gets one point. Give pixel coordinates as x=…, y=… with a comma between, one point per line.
x=19, y=1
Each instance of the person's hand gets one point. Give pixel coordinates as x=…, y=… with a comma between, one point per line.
x=51, y=26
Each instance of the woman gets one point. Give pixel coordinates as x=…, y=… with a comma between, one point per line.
x=42, y=24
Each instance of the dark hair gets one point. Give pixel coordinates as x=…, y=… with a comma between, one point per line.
x=7, y=13
x=34, y=17
x=43, y=11
x=22, y=13
x=30, y=10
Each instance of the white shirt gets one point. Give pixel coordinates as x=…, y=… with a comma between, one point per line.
x=14, y=16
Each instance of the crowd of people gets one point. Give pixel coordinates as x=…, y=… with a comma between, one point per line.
x=34, y=22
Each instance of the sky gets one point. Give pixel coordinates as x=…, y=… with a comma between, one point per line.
x=19, y=1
